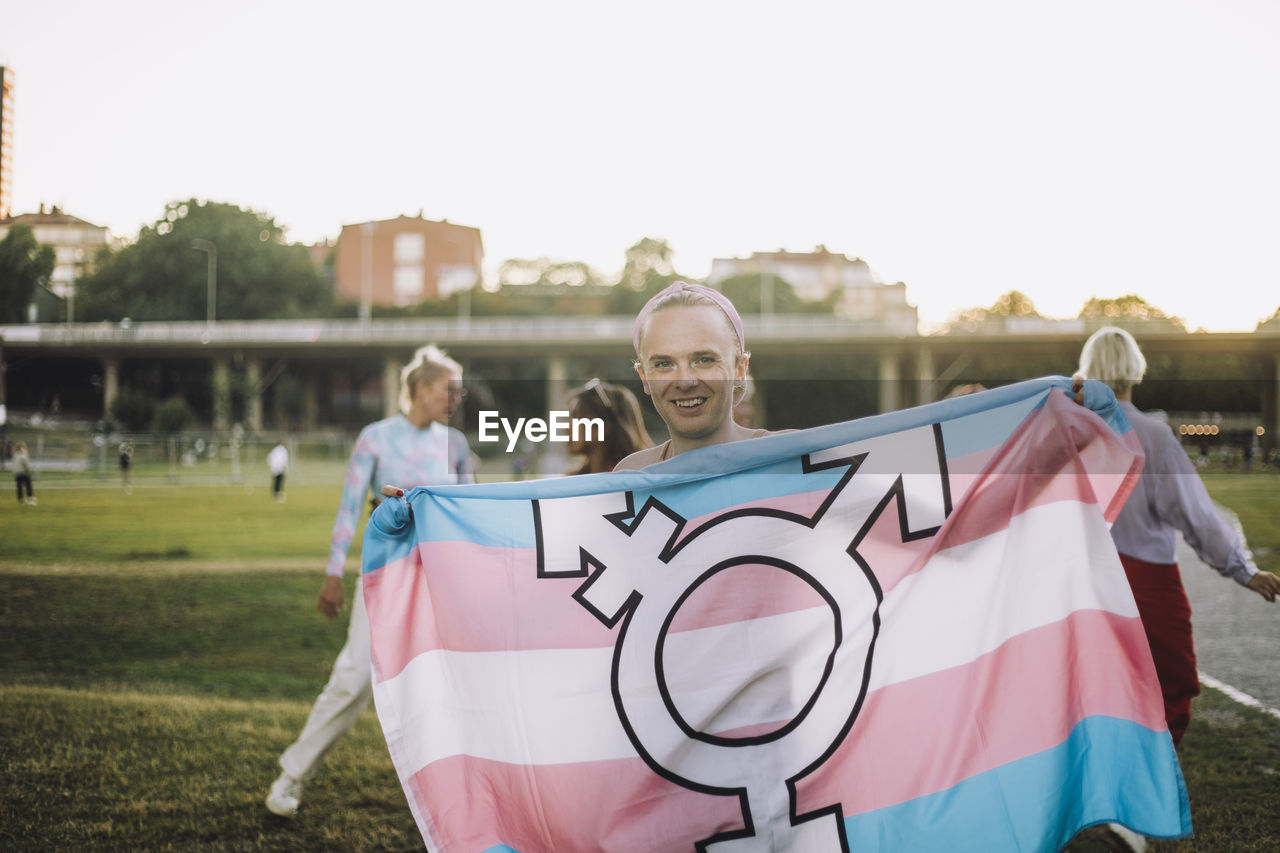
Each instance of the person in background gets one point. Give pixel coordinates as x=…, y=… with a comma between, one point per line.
x=624, y=431
x=416, y=447
x=22, y=473
x=1169, y=497
x=126, y=461
x=278, y=463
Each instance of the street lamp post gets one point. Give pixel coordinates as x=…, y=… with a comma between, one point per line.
x=211, y=250
x=366, y=277
x=463, y=291
x=77, y=270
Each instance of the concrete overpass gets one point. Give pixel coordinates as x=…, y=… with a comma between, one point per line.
x=909, y=368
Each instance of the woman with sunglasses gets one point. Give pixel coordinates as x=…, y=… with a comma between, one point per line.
x=417, y=448
x=624, y=431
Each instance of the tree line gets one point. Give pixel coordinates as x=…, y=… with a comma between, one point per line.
x=261, y=276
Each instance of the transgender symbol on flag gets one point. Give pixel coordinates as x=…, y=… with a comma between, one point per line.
x=642, y=568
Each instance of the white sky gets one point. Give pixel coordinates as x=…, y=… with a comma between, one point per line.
x=1096, y=147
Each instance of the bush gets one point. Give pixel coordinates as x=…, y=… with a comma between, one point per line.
x=173, y=415
x=133, y=409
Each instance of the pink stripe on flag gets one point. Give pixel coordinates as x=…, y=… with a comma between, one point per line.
x=401, y=598
x=617, y=805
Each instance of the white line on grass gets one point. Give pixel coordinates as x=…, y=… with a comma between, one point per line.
x=1238, y=695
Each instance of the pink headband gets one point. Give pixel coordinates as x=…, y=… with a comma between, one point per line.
x=721, y=301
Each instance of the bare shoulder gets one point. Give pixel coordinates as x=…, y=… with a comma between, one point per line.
x=640, y=459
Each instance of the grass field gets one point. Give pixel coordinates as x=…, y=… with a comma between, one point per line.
x=91, y=526
x=159, y=650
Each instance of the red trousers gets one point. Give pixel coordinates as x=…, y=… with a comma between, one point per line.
x=1166, y=619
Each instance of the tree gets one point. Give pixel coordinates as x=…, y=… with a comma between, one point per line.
x=647, y=270
x=1015, y=303
x=648, y=259
x=161, y=277
x=1128, y=308
x=171, y=416
x=24, y=265
x=544, y=271
x=749, y=292
x=133, y=409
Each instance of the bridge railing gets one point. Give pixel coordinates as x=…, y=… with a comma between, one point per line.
x=418, y=329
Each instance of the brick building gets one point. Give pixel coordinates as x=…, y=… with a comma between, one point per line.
x=406, y=260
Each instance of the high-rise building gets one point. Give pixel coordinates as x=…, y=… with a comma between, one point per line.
x=6, y=141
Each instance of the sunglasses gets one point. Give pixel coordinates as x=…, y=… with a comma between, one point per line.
x=598, y=386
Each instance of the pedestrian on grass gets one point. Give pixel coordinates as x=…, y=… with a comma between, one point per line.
x=126, y=462
x=22, y=473
x=416, y=447
x=278, y=463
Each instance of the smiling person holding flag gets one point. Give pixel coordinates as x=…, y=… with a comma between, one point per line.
x=681, y=657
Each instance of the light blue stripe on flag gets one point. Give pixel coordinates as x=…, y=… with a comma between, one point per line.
x=1097, y=772
x=1107, y=770
x=696, y=484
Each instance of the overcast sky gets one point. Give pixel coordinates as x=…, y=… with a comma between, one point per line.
x=1067, y=150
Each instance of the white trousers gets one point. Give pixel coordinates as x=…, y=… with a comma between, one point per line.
x=349, y=690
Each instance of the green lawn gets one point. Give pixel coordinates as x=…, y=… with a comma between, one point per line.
x=225, y=524
x=1255, y=498
x=159, y=650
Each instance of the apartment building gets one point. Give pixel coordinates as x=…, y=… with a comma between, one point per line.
x=406, y=260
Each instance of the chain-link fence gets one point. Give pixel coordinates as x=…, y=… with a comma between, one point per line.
x=87, y=457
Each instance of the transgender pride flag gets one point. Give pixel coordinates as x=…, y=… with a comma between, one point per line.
x=904, y=633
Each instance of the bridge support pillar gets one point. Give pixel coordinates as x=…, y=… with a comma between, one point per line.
x=310, y=402
x=1271, y=413
x=557, y=380
x=110, y=385
x=253, y=394
x=889, y=381
x=221, y=394
x=924, y=376
x=390, y=386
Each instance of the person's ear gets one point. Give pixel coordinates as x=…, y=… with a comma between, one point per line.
x=740, y=371
x=644, y=383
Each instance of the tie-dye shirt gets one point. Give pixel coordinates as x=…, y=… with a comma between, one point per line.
x=395, y=451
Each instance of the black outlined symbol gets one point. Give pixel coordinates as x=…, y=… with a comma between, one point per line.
x=642, y=566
